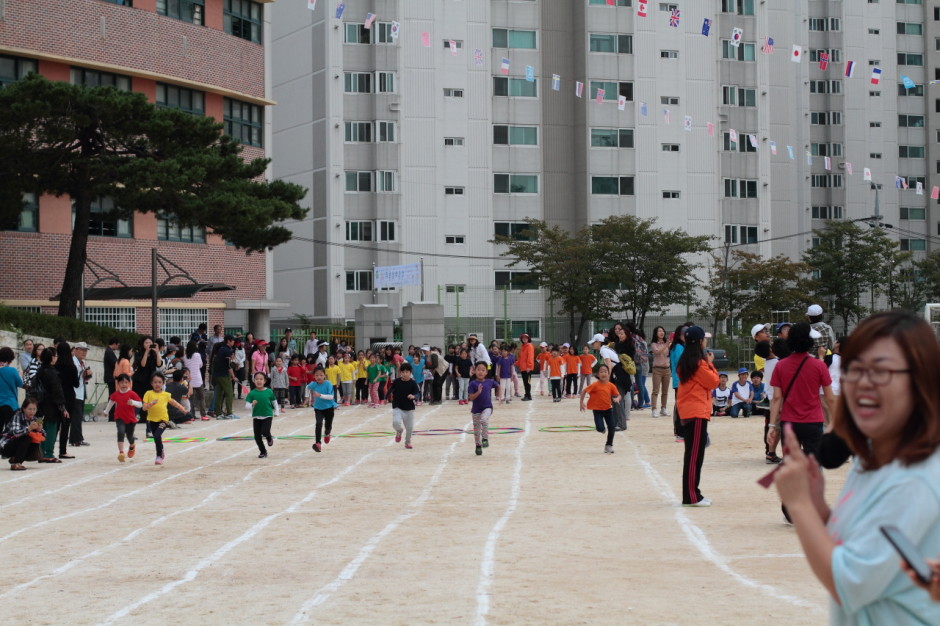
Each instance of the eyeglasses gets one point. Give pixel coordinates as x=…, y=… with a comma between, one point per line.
x=877, y=376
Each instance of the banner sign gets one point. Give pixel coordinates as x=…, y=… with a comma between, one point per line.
x=397, y=276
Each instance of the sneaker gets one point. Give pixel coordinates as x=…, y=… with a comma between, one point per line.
x=701, y=503
x=772, y=459
x=526, y=398
x=479, y=451
x=263, y=455
x=232, y=416
x=664, y=413
x=131, y=451
x=486, y=443
x=680, y=439
x=608, y=449
x=408, y=446
x=271, y=441
x=316, y=447
x=121, y=457
x=158, y=461
x=326, y=439
x=397, y=437
x=206, y=418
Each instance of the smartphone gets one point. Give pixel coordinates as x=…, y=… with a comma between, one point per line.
x=908, y=552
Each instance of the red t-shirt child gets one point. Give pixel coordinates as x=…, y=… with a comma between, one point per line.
x=296, y=376
x=122, y=410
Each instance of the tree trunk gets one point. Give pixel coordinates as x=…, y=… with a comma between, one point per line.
x=78, y=254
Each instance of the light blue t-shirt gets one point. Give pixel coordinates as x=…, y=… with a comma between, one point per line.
x=10, y=381
x=673, y=361
x=872, y=588
x=325, y=389
x=417, y=370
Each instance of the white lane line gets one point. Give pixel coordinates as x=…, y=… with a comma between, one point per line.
x=349, y=572
x=245, y=536
x=62, y=488
x=699, y=539
x=489, y=551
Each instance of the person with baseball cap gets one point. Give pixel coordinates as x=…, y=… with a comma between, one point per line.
x=814, y=313
x=697, y=378
x=525, y=361
x=760, y=333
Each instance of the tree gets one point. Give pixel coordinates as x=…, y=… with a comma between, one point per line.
x=90, y=143
x=849, y=262
x=648, y=268
x=928, y=273
x=567, y=266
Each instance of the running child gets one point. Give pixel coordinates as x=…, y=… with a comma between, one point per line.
x=556, y=373
x=280, y=381
x=156, y=402
x=481, y=396
x=321, y=394
x=504, y=366
x=588, y=361
x=601, y=396
x=347, y=374
x=125, y=403
x=403, y=392
x=264, y=408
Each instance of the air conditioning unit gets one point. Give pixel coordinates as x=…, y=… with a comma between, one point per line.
x=394, y=106
x=841, y=166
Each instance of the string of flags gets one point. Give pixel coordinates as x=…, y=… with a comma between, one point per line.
x=674, y=20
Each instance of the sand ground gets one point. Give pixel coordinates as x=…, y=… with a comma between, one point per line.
x=543, y=528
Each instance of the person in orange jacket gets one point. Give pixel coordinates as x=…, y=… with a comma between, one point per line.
x=525, y=361
x=697, y=378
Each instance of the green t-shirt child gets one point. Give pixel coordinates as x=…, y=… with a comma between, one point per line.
x=374, y=370
x=264, y=407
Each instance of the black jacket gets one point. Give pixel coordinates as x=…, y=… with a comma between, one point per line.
x=53, y=397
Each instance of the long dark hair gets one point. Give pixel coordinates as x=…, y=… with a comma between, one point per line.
x=677, y=338
x=655, y=331
x=125, y=352
x=191, y=348
x=690, y=359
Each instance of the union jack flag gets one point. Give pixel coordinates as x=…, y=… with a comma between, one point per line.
x=674, y=18
x=478, y=57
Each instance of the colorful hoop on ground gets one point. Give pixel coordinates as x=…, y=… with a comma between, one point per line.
x=566, y=429
x=236, y=438
x=179, y=440
x=501, y=430
x=296, y=437
x=363, y=435
x=439, y=431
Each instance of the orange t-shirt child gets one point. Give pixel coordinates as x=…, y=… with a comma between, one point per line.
x=572, y=363
x=600, y=401
x=556, y=365
x=587, y=364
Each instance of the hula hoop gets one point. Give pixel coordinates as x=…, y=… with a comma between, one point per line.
x=236, y=438
x=566, y=429
x=363, y=435
x=295, y=437
x=439, y=431
x=501, y=430
x=179, y=440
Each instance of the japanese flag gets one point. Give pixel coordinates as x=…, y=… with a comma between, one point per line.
x=622, y=103
x=866, y=174
x=920, y=188
x=797, y=55
x=848, y=168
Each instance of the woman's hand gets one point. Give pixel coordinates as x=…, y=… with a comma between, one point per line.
x=794, y=480
x=934, y=586
x=710, y=356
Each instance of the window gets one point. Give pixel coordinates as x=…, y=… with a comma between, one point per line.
x=123, y=3
x=385, y=82
x=668, y=54
x=910, y=1
x=515, y=183
x=516, y=328
x=743, y=143
x=874, y=124
x=516, y=135
x=173, y=97
x=385, y=132
x=358, y=280
x=358, y=132
x=906, y=58
x=515, y=231
x=383, y=32
x=619, y=44
x=454, y=240
x=825, y=23
x=28, y=219
x=170, y=229
x=242, y=18
x=668, y=6
x=741, y=7
x=911, y=152
x=669, y=100
x=825, y=86
x=94, y=78
x=825, y=118
x=357, y=82
x=911, y=121
x=458, y=44
x=104, y=222
x=450, y=92
x=874, y=94
x=826, y=180
x=611, y=137
x=14, y=68
x=515, y=87
x=827, y=212
x=612, y=186
x=740, y=188
x=910, y=28
x=917, y=90
x=671, y=195
x=120, y=318
x=359, y=181
x=385, y=229
x=181, y=322
x=826, y=149
x=455, y=288
x=737, y=233
x=910, y=213
x=359, y=231
x=874, y=155
x=503, y=38
x=743, y=52
x=612, y=90
x=453, y=191
x=387, y=181
x=670, y=147
x=453, y=141
x=516, y=280
x=874, y=31
x=732, y=95
x=357, y=33
x=913, y=245
x=913, y=180
x=191, y=11
x=244, y=122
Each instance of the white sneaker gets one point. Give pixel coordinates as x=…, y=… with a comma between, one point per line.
x=664, y=413
x=700, y=503
x=608, y=449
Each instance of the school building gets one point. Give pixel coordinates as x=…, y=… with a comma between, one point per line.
x=208, y=57
x=426, y=127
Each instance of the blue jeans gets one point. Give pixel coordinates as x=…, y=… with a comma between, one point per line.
x=737, y=408
x=644, y=394
x=604, y=421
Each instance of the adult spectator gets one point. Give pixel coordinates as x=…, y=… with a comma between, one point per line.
x=478, y=351
x=259, y=359
x=180, y=393
x=312, y=346
x=79, y=354
x=192, y=361
x=438, y=369
x=69, y=380
x=125, y=361
x=697, y=378
x=292, y=343
x=33, y=367
x=676, y=348
x=826, y=339
x=223, y=375
x=889, y=415
x=20, y=437
x=109, y=361
x=10, y=381
x=526, y=364
x=52, y=405
x=26, y=356
x=146, y=362
x=215, y=337
x=623, y=346
x=660, y=349
x=641, y=350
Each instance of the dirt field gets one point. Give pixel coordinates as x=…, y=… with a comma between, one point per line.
x=543, y=528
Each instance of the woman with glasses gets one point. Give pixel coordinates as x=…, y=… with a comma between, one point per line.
x=889, y=415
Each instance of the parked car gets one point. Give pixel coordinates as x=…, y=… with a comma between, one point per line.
x=721, y=359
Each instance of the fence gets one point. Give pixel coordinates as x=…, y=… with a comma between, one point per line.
x=300, y=334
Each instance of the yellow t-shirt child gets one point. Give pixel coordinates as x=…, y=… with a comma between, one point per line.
x=158, y=412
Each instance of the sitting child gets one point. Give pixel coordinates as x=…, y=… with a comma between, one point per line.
x=760, y=391
x=742, y=394
x=721, y=396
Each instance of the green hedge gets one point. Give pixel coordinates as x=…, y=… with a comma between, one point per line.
x=52, y=326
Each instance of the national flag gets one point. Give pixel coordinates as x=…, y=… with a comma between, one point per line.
x=733, y=135
x=875, y=75
x=711, y=129
x=425, y=39
x=828, y=163
x=578, y=88
x=477, y=57
x=908, y=83
x=622, y=103
x=687, y=123
x=641, y=8
x=706, y=26
x=920, y=188
x=736, y=35
x=866, y=174
x=666, y=116
x=768, y=47
x=848, y=168
x=809, y=158
x=556, y=82
x=453, y=47
x=904, y=183
x=824, y=61
x=394, y=30
x=599, y=97
x=339, y=10
x=644, y=110
x=849, y=69
x=790, y=153
x=674, y=18
x=370, y=18
x=897, y=182
x=530, y=73
x=797, y=55
x=611, y=3
x=773, y=148
x=504, y=66
x=312, y=5
x=935, y=193
x=753, y=140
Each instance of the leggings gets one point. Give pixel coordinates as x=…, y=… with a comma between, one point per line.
x=605, y=418
x=296, y=394
x=156, y=431
x=262, y=428
x=527, y=384
x=695, y=432
x=505, y=389
x=327, y=416
x=543, y=378
x=362, y=389
x=571, y=384
x=407, y=418
x=374, y=393
x=584, y=381
x=125, y=430
x=347, y=390
x=556, y=388
x=64, y=426
x=481, y=424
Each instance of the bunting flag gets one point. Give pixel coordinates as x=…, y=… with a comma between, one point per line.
x=935, y=193
x=898, y=182
x=666, y=116
x=809, y=158
x=920, y=188
x=866, y=174
x=773, y=148
x=425, y=39
x=904, y=183
x=824, y=61
x=611, y=3
x=753, y=140
x=706, y=26
x=394, y=30
x=736, y=35
x=875, y=75
x=370, y=18
x=848, y=168
x=768, y=47
x=790, y=153
x=641, y=8
x=578, y=88
x=556, y=82
x=828, y=163
x=674, y=18
x=504, y=66
x=622, y=103
x=530, y=73
x=339, y=10
x=908, y=83
x=453, y=48
x=711, y=129
x=849, y=69
x=733, y=135
x=312, y=5
x=797, y=55
x=644, y=110
x=687, y=123
x=599, y=97
x=478, y=57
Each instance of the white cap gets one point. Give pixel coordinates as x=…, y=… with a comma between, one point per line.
x=814, y=310
x=425, y=347
x=566, y=345
x=814, y=334
x=708, y=335
x=543, y=345
x=81, y=345
x=596, y=338
x=757, y=328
